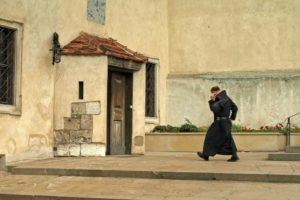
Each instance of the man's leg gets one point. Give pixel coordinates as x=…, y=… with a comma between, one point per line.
x=234, y=156
x=204, y=157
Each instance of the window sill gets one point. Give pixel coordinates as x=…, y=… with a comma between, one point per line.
x=10, y=110
x=152, y=120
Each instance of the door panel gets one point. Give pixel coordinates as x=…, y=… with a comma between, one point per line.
x=117, y=119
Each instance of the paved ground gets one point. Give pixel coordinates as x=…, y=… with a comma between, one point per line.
x=120, y=188
x=175, y=162
x=60, y=187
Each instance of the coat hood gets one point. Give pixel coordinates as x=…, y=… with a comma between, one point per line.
x=222, y=95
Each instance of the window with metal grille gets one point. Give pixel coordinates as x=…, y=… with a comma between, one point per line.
x=7, y=58
x=150, y=90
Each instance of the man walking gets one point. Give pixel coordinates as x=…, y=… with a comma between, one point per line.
x=219, y=139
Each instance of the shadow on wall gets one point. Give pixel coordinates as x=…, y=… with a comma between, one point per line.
x=263, y=98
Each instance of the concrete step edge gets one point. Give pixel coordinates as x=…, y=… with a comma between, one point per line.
x=254, y=177
x=45, y=197
x=293, y=149
x=284, y=156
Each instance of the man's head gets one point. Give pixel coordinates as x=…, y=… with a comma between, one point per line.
x=215, y=90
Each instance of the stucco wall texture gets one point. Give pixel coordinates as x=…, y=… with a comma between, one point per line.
x=234, y=35
x=257, y=42
x=140, y=24
x=263, y=98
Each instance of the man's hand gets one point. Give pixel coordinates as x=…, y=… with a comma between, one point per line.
x=212, y=97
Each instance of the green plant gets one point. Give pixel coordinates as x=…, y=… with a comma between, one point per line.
x=188, y=127
x=159, y=128
x=172, y=129
x=236, y=128
x=203, y=129
x=167, y=128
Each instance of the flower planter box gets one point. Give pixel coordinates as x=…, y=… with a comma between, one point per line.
x=193, y=141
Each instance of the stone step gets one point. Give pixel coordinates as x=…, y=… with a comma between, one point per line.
x=284, y=156
x=21, y=187
x=54, y=197
x=293, y=149
x=161, y=174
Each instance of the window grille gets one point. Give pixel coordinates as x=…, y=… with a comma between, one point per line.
x=7, y=52
x=150, y=90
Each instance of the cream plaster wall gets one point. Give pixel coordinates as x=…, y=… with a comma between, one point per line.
x=233, y=35
x=138, y=112
x=140, y=24
x=248, y=47
x=93, y=71
x=29, y=135
x=143, y=26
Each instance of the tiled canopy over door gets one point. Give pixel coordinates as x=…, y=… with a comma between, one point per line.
x=118, y=55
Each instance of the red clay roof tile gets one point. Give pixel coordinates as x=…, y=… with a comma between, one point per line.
x=91, y=45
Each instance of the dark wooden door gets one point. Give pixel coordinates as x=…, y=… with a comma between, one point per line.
x=119, y=101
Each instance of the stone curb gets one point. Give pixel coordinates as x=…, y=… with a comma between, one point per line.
x=284, y=156
x=42, y=197
x=274, y=178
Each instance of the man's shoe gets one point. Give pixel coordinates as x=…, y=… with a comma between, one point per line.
x=206, y=158
x=233, y=159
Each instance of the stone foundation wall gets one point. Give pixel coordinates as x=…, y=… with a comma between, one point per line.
x=192, y=142
x=76, y=137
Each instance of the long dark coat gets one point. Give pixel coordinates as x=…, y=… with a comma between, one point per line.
x=219, y=139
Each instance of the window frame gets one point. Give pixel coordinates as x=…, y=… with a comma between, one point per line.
x=15, y=108
x=156, y=118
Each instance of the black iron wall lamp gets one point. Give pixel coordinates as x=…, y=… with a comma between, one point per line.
x=56, y=56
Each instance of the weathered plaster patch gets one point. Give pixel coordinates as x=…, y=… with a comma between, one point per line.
x=37, y=141
x=138, y=140
x=11, y=146
x=96, y=11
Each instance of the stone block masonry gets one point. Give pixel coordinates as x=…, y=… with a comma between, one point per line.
x=76, y=137
x=81, y=136
x=71, y=123
x=74, y=150
x=61, y=137
x=84, y=149
x=89, y=108
x=86, y=122
x=94, y=149
x=78, y=108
